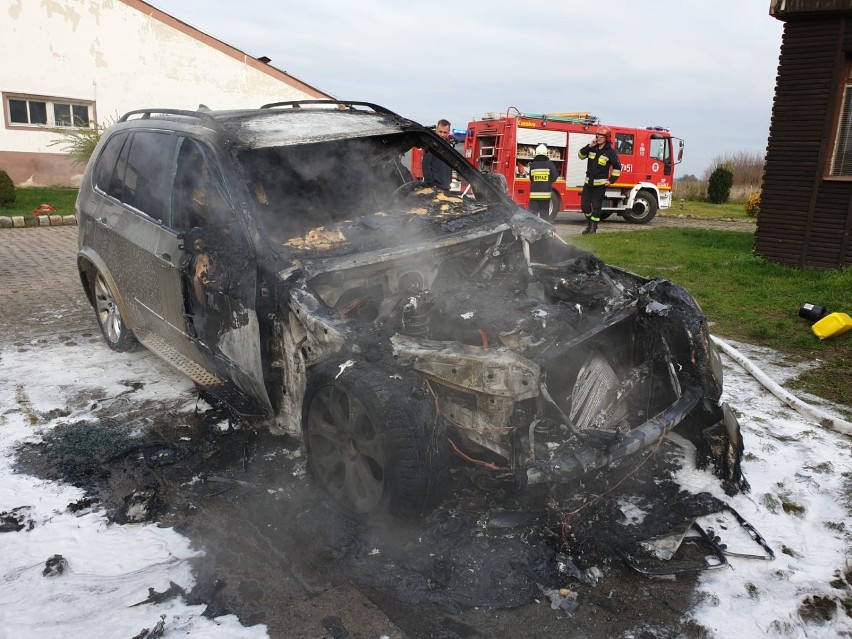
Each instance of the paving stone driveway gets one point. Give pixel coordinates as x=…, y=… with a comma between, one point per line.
x=40, y=292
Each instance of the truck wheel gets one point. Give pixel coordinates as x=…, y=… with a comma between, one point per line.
x=644, y=208
x=370, y=444
x=555, y=206
x=118, y=337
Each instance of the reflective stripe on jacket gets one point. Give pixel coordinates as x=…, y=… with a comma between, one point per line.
x=603, y=166
x=543, y=174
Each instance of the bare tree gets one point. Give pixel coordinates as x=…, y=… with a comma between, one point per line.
x=747, y=167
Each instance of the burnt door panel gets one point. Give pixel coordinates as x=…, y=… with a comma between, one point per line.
x=212, y=283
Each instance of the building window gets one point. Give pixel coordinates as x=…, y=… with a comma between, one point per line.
x=841, y=159
x=26, y=111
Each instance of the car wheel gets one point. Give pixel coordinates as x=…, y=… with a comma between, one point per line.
x=118, y=337
x=644, y=208
x=371, y=445
x=555, y=206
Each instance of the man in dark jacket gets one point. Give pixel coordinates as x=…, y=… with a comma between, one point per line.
x=603, y=168
x=435, y=172
x=543, y=174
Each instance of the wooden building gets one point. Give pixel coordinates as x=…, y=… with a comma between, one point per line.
x=806, y=203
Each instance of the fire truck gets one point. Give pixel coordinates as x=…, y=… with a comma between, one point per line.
x=505, y=144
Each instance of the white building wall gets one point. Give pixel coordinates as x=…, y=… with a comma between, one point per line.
x=123, y=55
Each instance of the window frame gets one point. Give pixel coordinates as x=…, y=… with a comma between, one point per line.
x=841, y=126
x=50, y=103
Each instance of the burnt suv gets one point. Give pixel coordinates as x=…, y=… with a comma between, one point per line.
x=286, y=261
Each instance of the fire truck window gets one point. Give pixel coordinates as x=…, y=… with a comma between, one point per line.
x=658, y=149
x=624, y=143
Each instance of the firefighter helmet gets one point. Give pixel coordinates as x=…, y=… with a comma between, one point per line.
x=541, y=149
x=606, y=132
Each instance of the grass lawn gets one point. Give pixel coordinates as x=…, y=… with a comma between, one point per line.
x=744, y=297
x=28, y=199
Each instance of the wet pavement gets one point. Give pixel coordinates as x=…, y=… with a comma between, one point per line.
x=39, y=286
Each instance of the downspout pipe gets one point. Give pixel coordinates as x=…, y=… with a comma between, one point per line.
x=811, y=412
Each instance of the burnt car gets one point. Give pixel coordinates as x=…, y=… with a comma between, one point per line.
x=284, y=259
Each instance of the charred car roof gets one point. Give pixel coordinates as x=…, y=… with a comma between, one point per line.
x=284, y=123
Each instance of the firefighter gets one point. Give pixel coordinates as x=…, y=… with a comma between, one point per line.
x=543, y=174
x=435, y=172
x=602, y=169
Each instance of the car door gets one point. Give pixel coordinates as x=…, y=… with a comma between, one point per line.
x=209, y=295
x=131, y=186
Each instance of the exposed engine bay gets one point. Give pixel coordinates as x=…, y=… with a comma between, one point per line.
x=541, y=360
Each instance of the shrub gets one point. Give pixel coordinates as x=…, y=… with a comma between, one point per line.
x=719, y=185
x=80, y=143
x=752, y=205
x=7, y=190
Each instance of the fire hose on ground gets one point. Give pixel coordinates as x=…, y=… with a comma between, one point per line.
x=811, y=412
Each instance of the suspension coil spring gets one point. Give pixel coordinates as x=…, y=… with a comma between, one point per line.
x=415, y=314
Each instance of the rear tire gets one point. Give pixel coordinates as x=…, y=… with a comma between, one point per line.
x=371, y=444
x=554, y=207
x=116, y=334
x=644, y=208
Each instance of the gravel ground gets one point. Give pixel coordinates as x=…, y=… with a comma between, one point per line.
x=574, y=223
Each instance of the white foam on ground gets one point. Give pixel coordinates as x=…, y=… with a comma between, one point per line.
x=110, y=566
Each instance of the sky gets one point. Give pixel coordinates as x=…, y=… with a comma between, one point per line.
x=705, y=70
x=110, y=567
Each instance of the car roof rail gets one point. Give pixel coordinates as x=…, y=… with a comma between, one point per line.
x=202, y=114
x=347, y=104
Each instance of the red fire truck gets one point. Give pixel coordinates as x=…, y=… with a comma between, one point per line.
x=505, y=144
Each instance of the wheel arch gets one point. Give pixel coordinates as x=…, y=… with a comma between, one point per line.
x=89, y=263
x=642, y=186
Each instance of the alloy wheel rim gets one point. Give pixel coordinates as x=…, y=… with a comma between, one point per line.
x=347, y=453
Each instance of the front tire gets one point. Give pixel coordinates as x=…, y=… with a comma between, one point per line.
x=644, y=208
x=372, y=445
x=116, y=334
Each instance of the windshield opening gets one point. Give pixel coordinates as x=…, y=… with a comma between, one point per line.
x=366, y=182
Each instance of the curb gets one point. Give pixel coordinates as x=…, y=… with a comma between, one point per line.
x=20, y=222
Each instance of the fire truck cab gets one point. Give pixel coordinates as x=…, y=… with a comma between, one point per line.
x=505, y=144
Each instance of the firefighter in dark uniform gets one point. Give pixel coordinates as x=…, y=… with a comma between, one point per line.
x=543, y=174
x=435, y=172
x=603, y=168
